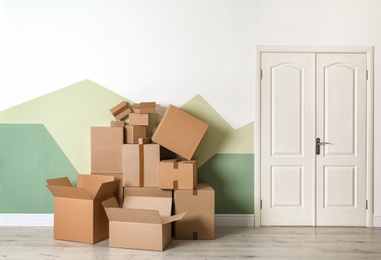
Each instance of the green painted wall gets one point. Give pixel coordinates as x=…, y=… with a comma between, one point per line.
x=232, y=177
x=28, y=157
x=49, y=137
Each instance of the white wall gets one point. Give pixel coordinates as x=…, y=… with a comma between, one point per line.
x=170, y=50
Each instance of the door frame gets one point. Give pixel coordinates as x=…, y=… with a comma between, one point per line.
x=369, y=51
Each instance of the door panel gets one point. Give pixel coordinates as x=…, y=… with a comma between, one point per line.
x=287, y=150
x=341, y=121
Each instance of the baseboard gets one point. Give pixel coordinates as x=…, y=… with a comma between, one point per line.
x=221, y=220
x=26, y=220
x=234, y=220
x=377, y=221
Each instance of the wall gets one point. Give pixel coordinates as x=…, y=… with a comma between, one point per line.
x=169, y=51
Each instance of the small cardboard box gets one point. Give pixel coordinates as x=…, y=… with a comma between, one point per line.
x=144, y=108
x=134, y=132
x=175, y=174
x=141, y=165
x=78, y=212
x=138, y=119
x=106, y=149
x=180, y=132
x=117, y=123
x=121, y=110
x=199, y=222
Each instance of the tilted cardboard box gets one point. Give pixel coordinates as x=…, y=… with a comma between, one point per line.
x=78, y=212
x=106, y=149
x=175, y=174
x=141, y=165
x=143, y=223
x=180, y=132
x=199, y=222
x=121, y=110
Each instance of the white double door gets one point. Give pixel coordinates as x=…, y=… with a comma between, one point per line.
x=306, y=96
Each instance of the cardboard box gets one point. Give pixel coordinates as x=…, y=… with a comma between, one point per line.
x=148, y=198
x=138, y=119
x=121, y=110
x=134, y=132
x=138, y=228
x=119, y=192
x=180, y=132
x=141, y=165
x=199, y=222
x=117, y=123
x=175, y=174
x=78, y=212
x=106, y=149
x=144, y=107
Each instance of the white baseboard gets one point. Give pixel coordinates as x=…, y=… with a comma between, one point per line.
x=234, y=220
x=26, y=220
x=377, y=221
x=221, y=220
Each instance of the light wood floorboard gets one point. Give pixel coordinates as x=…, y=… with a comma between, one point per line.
x=230, y=243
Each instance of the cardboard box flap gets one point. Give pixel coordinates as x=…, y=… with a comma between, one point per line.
x=69, y=192
x=92, y=182
x=174, y=217
x=110, y=203
x=160, y=204
x=133, y=215
x=106, y=190
x=64, y=181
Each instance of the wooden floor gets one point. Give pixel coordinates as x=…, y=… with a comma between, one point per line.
x=231, y=243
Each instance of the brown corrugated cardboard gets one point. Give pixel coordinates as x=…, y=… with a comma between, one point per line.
x=134, y=132
x=121, y=110
x=117, y=123
x=177, y=174
x=138, y=119
x=180, y=132
x=78, y=212
x=119, y=192
x=138, y=228
x=199, y=222
x=144, y=107
x=141, y=165
x=106, y=149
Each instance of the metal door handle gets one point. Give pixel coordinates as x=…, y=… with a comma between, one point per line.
x=318, y=143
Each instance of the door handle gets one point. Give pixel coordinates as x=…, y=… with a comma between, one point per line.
x=318, y=143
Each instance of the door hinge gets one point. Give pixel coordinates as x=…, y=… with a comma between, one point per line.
x=261, y=204
x=366, y=204
x=367, y=75
x=261, y=73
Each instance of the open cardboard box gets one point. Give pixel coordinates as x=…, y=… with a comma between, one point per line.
x=137, y=228
x=78, y=212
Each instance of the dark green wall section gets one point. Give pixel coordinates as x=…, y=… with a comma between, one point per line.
x=232, y=177
x=28, y=157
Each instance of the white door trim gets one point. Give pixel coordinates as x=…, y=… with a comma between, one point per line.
x=369, y=51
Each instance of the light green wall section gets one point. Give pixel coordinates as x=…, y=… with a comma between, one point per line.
x=68, y=114
x=220, y=137
x=28, y=157
x=232, y=177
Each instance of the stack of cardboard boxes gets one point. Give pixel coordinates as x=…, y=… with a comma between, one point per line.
x=151, y=186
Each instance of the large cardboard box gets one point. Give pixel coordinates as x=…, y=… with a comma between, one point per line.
x=144, y=222
x=141, y=165
x=78, y=212
x=180, y=132
x=106, y=149
x=134, y=133
x=177, y=174
x=199, y=222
